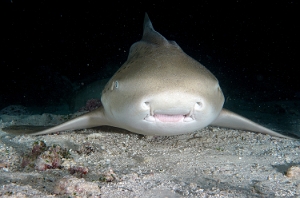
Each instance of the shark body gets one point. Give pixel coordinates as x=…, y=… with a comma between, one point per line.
x=160, y=90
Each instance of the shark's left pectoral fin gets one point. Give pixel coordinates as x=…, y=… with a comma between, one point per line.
x=229, y=119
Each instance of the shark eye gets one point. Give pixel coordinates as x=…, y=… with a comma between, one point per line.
x=116, y=84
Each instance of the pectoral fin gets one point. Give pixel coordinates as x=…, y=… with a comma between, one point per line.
x=89, y=120
x=232, y=120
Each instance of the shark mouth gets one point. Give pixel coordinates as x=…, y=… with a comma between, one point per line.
x=168, y=118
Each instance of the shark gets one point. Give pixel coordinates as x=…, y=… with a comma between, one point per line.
x=160, y=91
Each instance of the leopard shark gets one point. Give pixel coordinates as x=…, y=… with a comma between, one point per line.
x=160, y=91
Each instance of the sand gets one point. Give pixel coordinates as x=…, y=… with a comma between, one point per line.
x=111, y=162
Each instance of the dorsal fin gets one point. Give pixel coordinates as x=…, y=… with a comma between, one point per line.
x=150, y=35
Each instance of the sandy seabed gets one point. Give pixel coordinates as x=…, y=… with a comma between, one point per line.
x=212, y=162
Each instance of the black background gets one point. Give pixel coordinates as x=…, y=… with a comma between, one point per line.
x=50, y=48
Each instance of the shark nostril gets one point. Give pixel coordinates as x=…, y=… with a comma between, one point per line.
x=199, y=104
x=146, y=105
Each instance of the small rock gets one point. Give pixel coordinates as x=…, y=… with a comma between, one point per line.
x=76, y=187
x=293, y=172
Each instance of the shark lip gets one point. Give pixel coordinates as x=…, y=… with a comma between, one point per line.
x=171, y=118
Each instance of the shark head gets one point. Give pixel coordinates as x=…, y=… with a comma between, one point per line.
x=161, y=90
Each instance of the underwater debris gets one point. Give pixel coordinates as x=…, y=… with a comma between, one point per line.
x=86, y=148
x=43, y=157
x=29, y=159
x=15, y=110
x=91, y=105
x=81, y=170
x=76, y=187
x=108, y=177
x=293, y=172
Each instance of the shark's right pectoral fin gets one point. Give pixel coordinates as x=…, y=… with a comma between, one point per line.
x=89, y=120
x=232, y=120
